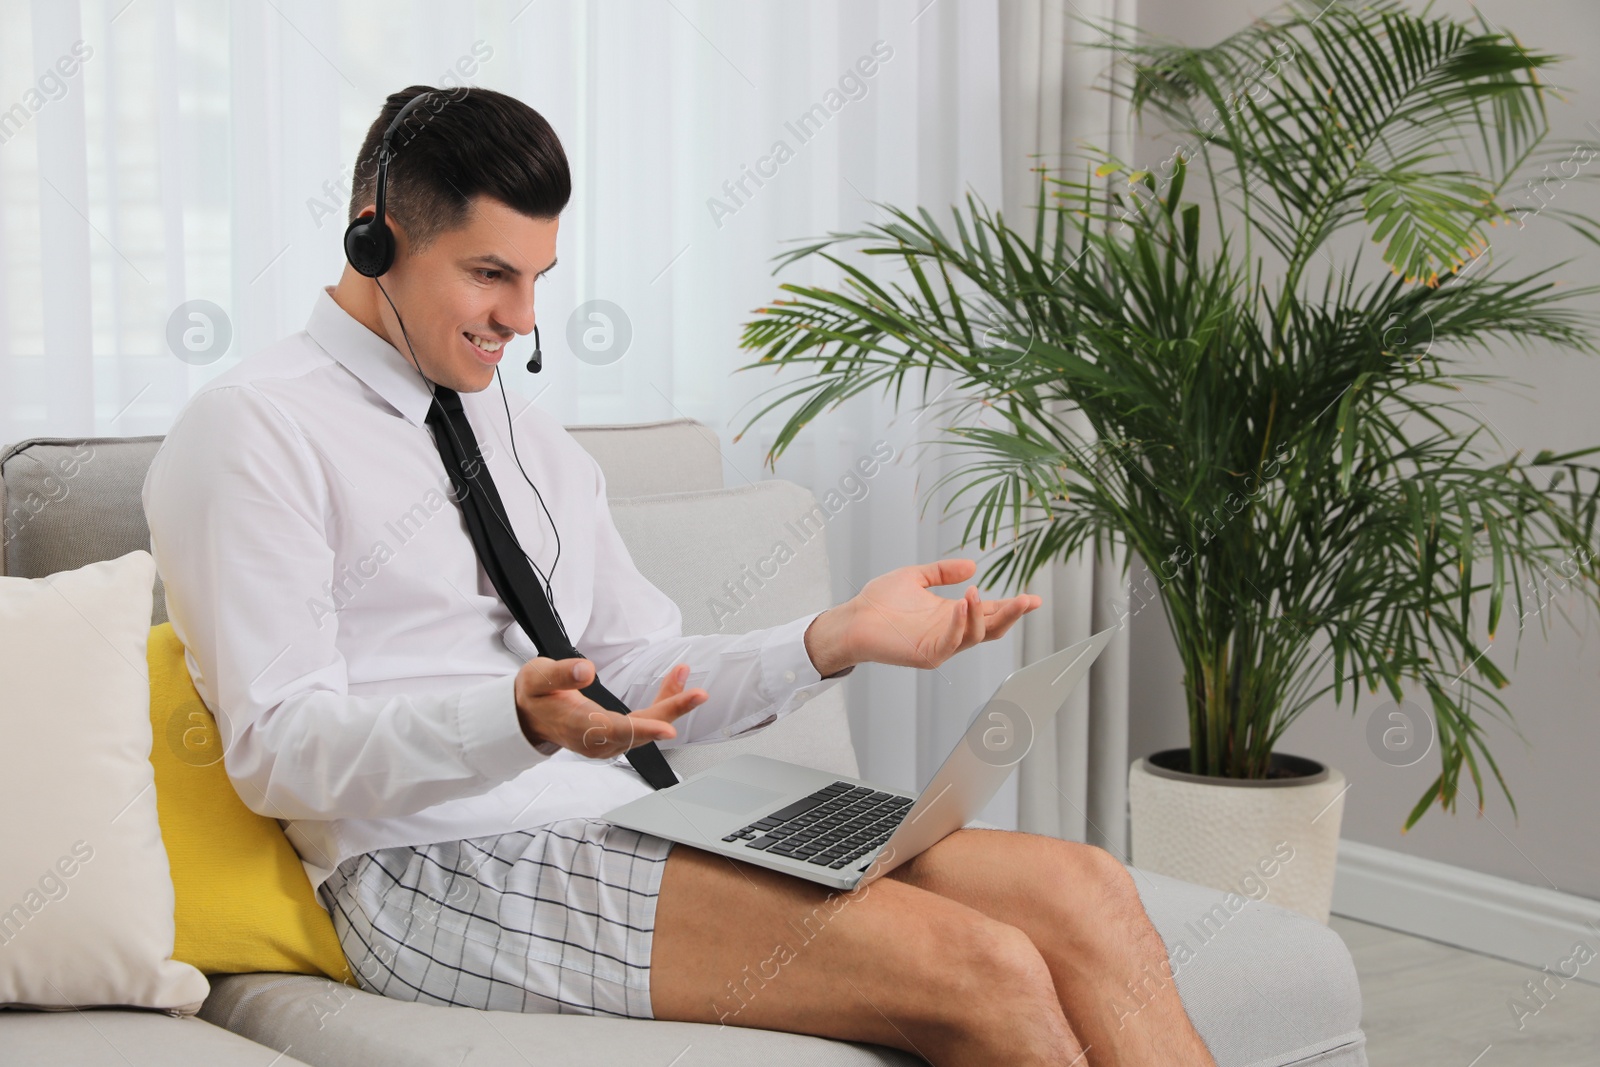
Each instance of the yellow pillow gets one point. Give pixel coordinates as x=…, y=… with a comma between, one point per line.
x=243, y=900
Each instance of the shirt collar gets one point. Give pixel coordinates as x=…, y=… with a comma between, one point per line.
x=369, y=357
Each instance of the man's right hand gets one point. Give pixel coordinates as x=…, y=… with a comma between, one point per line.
x=551, y=709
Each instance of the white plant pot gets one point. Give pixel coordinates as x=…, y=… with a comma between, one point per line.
x=1275, y=840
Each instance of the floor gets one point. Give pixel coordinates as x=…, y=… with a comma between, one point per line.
x=1431, y=1005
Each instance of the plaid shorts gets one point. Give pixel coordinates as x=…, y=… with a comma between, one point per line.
x=554, y=919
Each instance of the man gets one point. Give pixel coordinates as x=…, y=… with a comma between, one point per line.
x=443, y=781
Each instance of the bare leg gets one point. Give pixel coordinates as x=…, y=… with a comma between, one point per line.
x=1079, y=906
x=889, y=963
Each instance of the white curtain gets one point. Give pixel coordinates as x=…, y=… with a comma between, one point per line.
x=157, y=152
x=1073, y=783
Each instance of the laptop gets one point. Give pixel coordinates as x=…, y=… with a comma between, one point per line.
x=844, y=832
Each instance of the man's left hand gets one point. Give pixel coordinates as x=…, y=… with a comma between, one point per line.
x=897, y=618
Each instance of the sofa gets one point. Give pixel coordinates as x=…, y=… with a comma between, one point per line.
x=1269, y=988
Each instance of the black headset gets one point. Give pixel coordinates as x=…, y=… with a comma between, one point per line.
x=370, y=248
x=369, y=243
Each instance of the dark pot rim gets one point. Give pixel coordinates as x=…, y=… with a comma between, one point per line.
x=1287, y=771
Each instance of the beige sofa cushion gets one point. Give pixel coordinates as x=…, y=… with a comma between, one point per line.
x=644, y=458
x=127, y=1039
x=68, y=502
x=333, y=1025
x=692, y=546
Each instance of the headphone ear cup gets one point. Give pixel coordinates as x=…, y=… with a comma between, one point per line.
x=369, y=246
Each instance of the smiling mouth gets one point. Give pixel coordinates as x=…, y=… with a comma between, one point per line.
x=488, y=349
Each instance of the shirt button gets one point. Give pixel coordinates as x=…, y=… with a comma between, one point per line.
x=788, y=676
x=801, y=695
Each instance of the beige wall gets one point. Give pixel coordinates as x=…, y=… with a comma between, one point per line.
x=1555, y=691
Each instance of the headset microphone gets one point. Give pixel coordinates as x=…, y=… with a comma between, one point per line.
x=536, y=361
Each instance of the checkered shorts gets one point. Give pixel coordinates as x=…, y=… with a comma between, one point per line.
x=554, y=919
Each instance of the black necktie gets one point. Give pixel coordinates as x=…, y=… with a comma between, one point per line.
x=509, y=569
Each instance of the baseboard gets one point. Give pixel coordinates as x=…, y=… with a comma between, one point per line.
x=1478, y=912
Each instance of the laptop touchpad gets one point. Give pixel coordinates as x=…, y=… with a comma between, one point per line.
x=724, y=794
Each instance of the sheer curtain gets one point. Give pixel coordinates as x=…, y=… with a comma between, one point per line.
x=1074, y=782
x=161, y=152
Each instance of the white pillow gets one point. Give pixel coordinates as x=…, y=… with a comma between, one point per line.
x=86, y=895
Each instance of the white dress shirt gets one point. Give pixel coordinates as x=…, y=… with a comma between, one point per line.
x=338, y=623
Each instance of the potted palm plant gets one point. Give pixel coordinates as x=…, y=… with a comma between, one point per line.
x=1275, y=428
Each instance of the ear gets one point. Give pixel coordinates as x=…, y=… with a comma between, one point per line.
x=402, y=240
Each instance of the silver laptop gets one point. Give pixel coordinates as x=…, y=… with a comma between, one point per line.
x=844, y=832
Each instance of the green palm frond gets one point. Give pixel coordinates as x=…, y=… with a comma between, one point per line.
x=1338, y=111
x=1293, y=459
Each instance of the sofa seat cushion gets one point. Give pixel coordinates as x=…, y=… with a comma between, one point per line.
x=1266, y=987
x=118, y=1038
x=332, y=1025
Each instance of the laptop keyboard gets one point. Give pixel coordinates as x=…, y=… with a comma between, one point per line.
x=832, y=827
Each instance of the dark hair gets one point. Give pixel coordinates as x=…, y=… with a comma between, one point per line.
x=461, y=143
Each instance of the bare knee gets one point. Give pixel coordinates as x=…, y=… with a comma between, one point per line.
x=1094, y=884
x=1098, y=910
x=995, y=988
x=1010, y=963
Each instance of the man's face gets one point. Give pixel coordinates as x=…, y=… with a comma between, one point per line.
x=473, y=286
